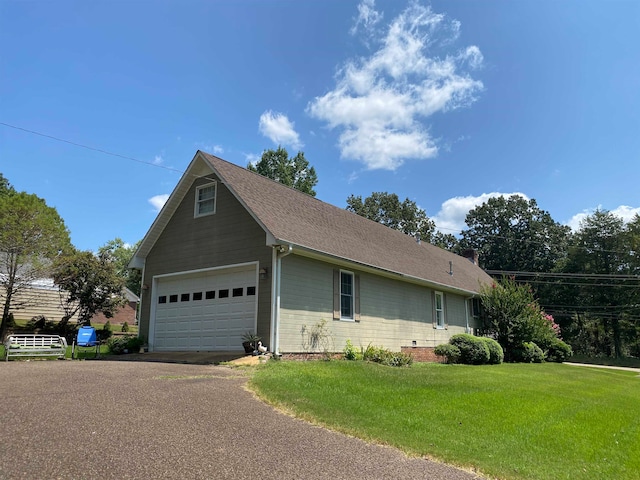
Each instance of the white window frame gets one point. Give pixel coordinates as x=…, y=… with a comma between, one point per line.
x=351, y=318
x=199, y=201
x=439, y=312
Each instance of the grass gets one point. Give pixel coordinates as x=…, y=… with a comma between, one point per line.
x=511, y=421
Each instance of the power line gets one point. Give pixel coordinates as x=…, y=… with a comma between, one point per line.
x=604, y=276
x=106, y=152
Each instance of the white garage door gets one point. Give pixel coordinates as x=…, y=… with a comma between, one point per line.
x=205, y=311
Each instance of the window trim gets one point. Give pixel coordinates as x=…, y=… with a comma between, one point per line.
x=199, y=201
x=443, y=324
x=351, y=318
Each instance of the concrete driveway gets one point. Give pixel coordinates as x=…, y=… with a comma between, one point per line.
x=105, y=419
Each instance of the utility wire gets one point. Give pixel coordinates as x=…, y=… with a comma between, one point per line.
x=106, y=152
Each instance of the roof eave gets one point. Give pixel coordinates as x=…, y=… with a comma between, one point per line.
x=319, y=255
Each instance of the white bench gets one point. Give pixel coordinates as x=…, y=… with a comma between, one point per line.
x=34, y=345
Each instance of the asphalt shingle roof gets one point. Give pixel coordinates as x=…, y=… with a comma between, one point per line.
x=296, y=218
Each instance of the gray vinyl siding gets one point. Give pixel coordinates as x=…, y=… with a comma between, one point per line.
x=230, y=236
x=393, y=313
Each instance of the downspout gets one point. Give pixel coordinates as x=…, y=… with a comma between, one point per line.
x=466, y=313
x=280, y=251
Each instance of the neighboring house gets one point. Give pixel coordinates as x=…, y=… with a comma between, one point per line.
x=43, y=297
x=40, y=297
x=232, y=252
x=126, y=313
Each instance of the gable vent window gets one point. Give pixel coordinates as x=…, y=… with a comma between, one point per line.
x=205, y=200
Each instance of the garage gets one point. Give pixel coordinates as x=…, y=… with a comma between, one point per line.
x=204, y=311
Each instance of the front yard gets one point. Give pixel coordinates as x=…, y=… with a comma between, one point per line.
x=510, y=421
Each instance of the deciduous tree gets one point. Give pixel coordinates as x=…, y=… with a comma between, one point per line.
x=387, y=209
x=121, y=254
x=294, y=172
x=514, y=234
x=88, y=284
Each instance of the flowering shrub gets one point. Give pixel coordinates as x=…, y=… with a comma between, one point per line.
x=514, y=317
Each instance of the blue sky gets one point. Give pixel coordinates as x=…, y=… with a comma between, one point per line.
x=446, y=103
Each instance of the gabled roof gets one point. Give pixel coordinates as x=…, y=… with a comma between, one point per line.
x=291, y=217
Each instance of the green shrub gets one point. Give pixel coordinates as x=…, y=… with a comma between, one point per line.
x=350, y=352
x=496, y=353
x=386, y=357
x=473, y=350
x=529, y=352
x=125, y=327
x=124, y=344
x=558, y=351
x=451, y=353
x=11, y=321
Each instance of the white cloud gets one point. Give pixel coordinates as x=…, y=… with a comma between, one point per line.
x=450, y=218
x=368, y=17
x=158, y=160
x=279, y=129
x=378, y=102
x=158, y=201
x=623, y=211
x=218, y=150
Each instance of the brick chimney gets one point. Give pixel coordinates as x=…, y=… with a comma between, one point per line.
x=471, y=254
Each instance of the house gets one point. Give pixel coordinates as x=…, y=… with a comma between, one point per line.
x=234, y=252
x=43, y=298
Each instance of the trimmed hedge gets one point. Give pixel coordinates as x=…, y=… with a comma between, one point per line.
x=529, y=352
x=558, y=351
x=496, y=353
x=451, y=353
x=473, y=350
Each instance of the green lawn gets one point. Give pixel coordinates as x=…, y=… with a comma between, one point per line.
x=511, y=421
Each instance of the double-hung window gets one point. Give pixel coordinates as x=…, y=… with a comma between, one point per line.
x=346, y=295
x=205, y=200
x=439, y=310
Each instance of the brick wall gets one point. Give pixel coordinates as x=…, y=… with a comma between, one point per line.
x=421, y=354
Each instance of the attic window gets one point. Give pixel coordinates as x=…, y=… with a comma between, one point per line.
x=205, y=200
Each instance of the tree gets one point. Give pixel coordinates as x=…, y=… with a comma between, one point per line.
x=32, y=235
x=514, y=318
x=88, y=284
x=513, y=234
x=121, y=254
x=387, y=209
x=5, y=186
x=294, y=172
x=603, y=303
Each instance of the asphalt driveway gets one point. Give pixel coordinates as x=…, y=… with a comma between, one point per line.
x=105, y=419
